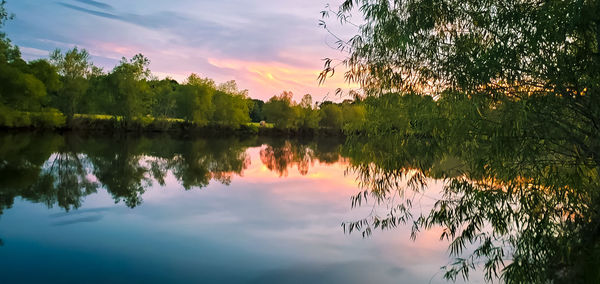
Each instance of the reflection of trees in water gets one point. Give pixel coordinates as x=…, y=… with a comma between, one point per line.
x=62, y=170
x=20, y=166
x=201, y=161
x=505, y=206
x=121, y=172
x=63, y=181
x=281, y=155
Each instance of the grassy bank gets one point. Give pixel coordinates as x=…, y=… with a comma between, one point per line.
x=54, y=120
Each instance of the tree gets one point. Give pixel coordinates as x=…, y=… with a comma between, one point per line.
x=516, y=88
x=74, y=66
x=47, y=73
x=498, y=46
x=8, y=52
x=127, y=88
x=163, y=97
x=231, y=87
x=20, y=91
x=194, y=100
x=280, y=111
x=331, y=116
x=354, y=116
x=308, y=117
x=230, y=109
x=194, y=79
x=96, y=98
x=256, y=110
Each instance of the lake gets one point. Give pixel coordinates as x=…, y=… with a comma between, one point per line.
x=155, y=209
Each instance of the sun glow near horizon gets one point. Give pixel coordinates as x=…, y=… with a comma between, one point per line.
x=267, y=46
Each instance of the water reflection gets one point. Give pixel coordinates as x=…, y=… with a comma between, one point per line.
x=281, y=155
x=61, y=170
x=508, y=205
x=498, y=208
x=205, y=210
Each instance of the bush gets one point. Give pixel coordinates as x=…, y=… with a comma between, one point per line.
x=50, y=118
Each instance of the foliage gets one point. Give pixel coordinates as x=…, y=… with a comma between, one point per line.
x=127, y=90
x=331, y=116
x=163, y=103
x=194, y=101
x=354, y=116
x=497, y=46
x=256, y=110
x=308, y=117
x=280, y=110
x=133, y=98
x=19, y=90
x=73, y=66
x=511, y=183
x=507, y=93
x=49, y=118
x=230, y=109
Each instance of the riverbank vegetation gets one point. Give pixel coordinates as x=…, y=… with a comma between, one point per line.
x=502, y=101
x=68, y=91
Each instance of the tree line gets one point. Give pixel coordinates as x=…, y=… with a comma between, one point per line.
x=67, y=86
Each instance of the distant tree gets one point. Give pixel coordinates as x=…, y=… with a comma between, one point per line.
x=354, y=116
x=163, y=97
x=74, y=66
x=231, y=87
x=256, y=110
x=324, y=103
x=280, y=111
x=230, y=109
x=308, y=117
x=331, y=116
x=194, y=101
x=196, y=80
x=47, y=73
x=19, y=90
x=127, y=88
x=96, y=99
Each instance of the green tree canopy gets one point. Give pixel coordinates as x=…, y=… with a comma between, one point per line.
x=74, y=66
x=503, y=46
x=280, y=111
x=331, y=116
x=127, y=89
x=194, y=100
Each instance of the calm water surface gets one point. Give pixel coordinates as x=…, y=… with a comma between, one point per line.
x=88, y=209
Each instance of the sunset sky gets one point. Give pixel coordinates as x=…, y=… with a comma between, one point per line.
x=267, y=46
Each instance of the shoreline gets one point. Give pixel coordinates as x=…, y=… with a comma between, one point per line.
x=173, y=127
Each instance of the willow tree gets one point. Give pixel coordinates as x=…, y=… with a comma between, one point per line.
x=545, y=51
x=473, y=45
x=521, y=80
